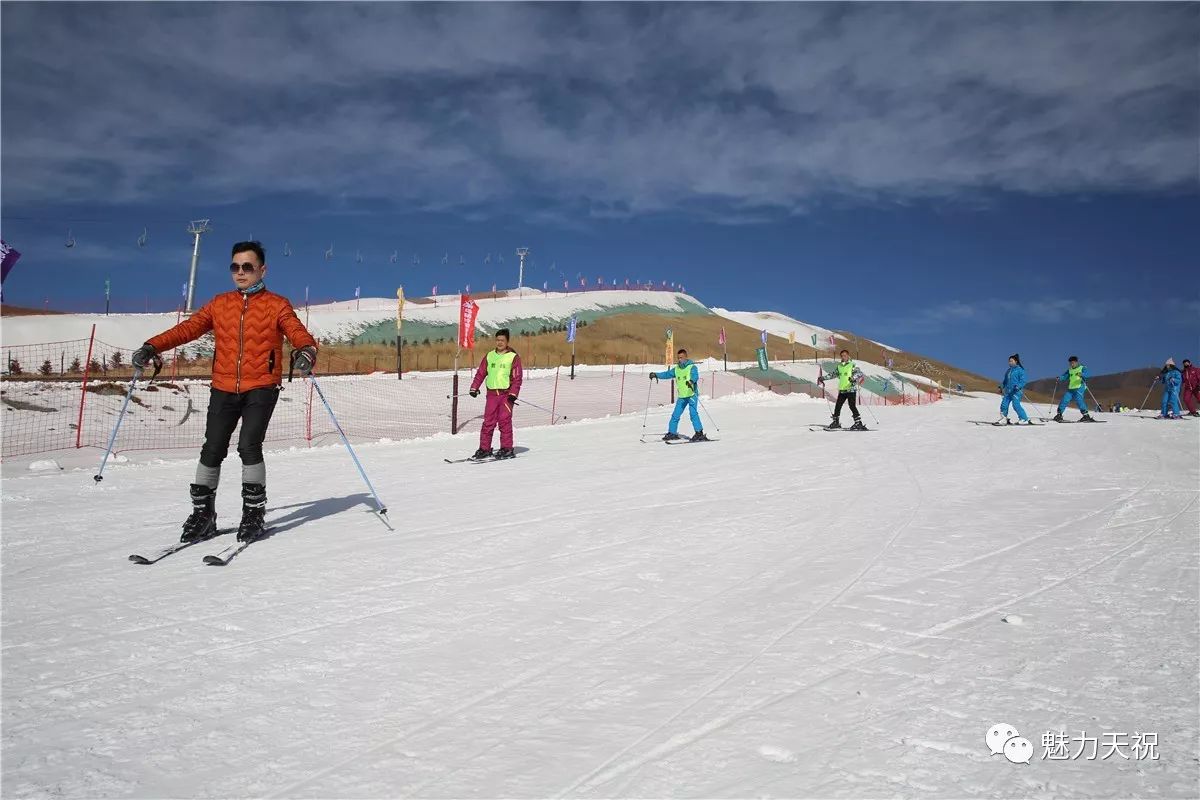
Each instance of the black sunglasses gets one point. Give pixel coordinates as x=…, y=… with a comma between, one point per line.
x=247, y=267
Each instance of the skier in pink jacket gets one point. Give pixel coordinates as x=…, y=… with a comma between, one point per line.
x=500, y=373
x=1189, y=393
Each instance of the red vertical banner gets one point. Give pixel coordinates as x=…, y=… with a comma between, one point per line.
x=468, y=311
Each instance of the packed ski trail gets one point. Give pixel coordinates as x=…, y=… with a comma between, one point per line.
x=781, y=613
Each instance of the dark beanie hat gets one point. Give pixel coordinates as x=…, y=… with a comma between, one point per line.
x=1073, y=358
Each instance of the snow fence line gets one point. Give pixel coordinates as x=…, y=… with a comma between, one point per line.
x=74, y=402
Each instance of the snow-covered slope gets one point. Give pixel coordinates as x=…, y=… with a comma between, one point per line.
x=336, y=321
x=780, y=613
x=776, y=324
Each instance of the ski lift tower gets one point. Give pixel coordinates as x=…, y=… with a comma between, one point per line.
x=521, y=252
x=196, y=228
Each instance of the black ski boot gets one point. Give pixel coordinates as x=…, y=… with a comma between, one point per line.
x=1058, y=417
x=837, y=423
x=505, y=452
x=858, y=425
x=482, y=453
x=202, y=522
x=1087, y=418
x=699, y=436
x=254, y=508
x=670, y=437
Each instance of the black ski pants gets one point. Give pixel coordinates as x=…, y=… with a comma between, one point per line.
x=225, y=409
x=843, y=397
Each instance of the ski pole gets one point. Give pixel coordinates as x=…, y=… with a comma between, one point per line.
x=1141, y=406
x=137, y=373
x=1094, y=400
x=872, y=413
x=646, y=416
x=520, y=402
x=1053, y=395
x=382, y=509
x=706, y=411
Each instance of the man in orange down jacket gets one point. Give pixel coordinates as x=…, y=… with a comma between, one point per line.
x=248, y=324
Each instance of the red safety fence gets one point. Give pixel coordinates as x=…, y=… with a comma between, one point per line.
x=68, y=394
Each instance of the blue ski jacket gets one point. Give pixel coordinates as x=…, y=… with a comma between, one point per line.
x=1014, y=380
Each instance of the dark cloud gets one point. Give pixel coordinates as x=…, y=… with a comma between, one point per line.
x=734, y=112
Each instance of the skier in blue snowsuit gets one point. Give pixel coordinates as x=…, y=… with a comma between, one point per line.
x=1012, y=387
x=687, y=379
x=1171, y=379
x=1076, y=379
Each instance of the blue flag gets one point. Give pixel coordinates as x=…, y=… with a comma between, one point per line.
x=571, y=330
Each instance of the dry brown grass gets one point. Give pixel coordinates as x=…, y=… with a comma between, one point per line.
x=620, y=339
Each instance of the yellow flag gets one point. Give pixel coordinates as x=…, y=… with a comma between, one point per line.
x=399, y=308
x=792, y=337
x=670, y=350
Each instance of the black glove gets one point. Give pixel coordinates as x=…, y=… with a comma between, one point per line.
x=653, y=376
x=474, y=393
x=305, y=360
x=691, y=385
x=143, y=356
x=512, y=399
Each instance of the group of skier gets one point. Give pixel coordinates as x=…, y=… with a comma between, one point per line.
x=1178, y=383
x=251, y=322
x=1175, y=383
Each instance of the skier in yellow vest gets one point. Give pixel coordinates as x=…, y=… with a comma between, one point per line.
x=500, y=373
x=1076, y=377
x=687, y=378
x=849, y=377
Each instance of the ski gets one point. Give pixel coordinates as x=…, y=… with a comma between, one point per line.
x=1002, y=425
x=225, y=556
x=470, y=460
x=689, y=441
x=1079, y=422
x=154, y=558
x=827, y=428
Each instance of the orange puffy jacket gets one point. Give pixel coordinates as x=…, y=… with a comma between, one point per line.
x=249, y=330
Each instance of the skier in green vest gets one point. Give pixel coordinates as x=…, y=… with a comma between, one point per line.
x=849, y=377
x=500, y=372
x=1076, y=377
x=687, y=378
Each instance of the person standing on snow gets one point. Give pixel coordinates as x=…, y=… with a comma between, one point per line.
x=1171, y=379
x=849, y=378
x=1012, y=388
x=1190, y=391
x=249, y=325
x=687, y=379
x=500, y=373
x=1076, y=379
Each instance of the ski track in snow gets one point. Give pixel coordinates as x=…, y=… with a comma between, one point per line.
x=776, y=614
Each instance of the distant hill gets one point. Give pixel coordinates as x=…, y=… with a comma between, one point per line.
x=1127, y=388
x=618, y=326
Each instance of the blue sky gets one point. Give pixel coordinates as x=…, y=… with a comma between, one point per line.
x=959, y=180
